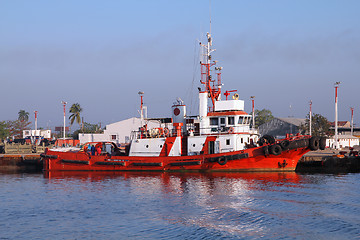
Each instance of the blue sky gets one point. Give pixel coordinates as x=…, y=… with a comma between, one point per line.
x=101, y=53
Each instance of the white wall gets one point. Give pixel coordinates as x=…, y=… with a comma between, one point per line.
x=344, y=141
x=121, y=130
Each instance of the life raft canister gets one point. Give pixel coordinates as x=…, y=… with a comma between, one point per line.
x=166, y=132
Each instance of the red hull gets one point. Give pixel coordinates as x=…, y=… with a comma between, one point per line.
x=253, y=159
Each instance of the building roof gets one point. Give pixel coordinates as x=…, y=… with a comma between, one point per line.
x=294, y=121
x=344, y=136
x=341, y=124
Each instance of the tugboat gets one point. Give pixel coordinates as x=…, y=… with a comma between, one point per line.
x=221, y=138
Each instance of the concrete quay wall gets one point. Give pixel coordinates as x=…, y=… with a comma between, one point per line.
x=20, y=162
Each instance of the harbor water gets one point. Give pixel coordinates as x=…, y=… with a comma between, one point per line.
x=89, y=205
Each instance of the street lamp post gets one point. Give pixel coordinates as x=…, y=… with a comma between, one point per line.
x=64, y=104
x=253, y=111
x=336, y=114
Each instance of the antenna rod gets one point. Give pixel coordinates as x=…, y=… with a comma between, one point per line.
x=210, y=15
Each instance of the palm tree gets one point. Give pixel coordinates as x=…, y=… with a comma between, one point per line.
x=23, y=116
x=75, y=110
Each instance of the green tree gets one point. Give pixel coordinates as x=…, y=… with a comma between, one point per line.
x=262, y=116
x=75, y=111
x=88, y=128
x=16, y=128
x=23, y=116
x=4, y=130
x=320, y=126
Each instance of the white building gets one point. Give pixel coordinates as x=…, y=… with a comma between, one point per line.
x=118, y=132
x=344, y=141
x=37, y=133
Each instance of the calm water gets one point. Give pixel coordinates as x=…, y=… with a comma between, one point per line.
x=179, y=206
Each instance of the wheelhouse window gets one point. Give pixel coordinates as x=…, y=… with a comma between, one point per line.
x=246, y=120
x=231, y=121
x=222, y=121
x=214, y=121
x=241, y=120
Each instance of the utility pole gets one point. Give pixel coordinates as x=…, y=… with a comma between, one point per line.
x=35, y=119
x=336, y=114
x=310, y=118
x=64, y=104
x=352, y=120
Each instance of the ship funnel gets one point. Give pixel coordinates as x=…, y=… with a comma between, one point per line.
x=179, y=113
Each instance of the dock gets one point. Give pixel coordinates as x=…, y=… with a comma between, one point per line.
x=20, y=162
x=329, y=161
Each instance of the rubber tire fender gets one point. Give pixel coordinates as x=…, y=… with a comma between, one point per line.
x=275, y=149
x=266, y=150
x=322, y=143
x=266, y=139
x=222, y=161
x=270, y=139
x=314, y=143
x=285, y=144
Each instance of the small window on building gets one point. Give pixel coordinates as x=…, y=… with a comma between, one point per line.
x=222, y=120
x=214, y=121
x=227, y=141
x=241, y=120
x=231, y=120
x=113, y=137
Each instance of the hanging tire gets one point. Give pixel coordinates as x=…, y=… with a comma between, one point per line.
x=222, y=160
x=322, y=143
x=303, y=143
x=266, y=139
x=275, y=149
x=314, y=143
x=270, y=139
x=266, y=150
x=285, y=144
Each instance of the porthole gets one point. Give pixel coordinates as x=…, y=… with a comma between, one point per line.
x=147, y=146
x=194, y=145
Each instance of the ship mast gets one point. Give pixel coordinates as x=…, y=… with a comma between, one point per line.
x=212, y=86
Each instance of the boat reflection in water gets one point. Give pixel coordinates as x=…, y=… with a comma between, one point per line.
x=228, y=205
x=178, y=179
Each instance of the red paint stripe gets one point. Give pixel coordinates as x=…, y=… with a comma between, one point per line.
x=227, y=113
x=206, y=144
x=169, y=142
x=336, y=94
